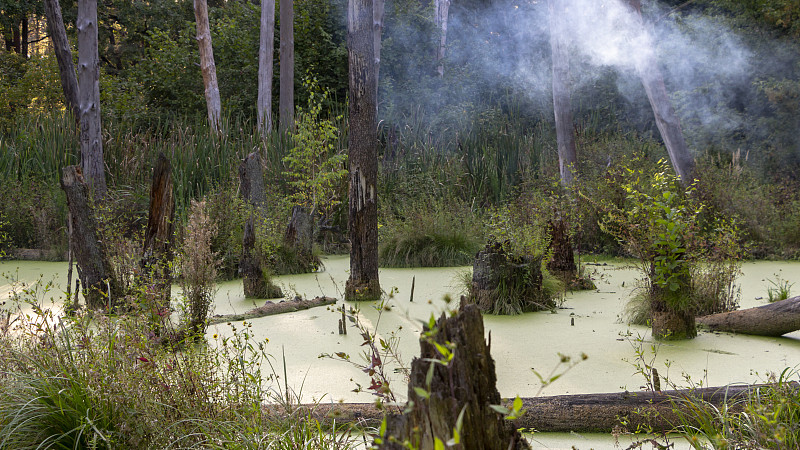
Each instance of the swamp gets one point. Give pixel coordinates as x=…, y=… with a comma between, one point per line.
x=347, y=224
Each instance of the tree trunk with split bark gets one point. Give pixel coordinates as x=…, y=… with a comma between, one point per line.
x=66, y=69
x=159, y=237
x=363, y=283
x=207, y=65
x=94, y=268
x=464, y=387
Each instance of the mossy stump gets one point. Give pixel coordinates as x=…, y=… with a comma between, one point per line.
x=362, y=291
x=465, y=386
x=255, y=282
x=673, y=325
x=506, y=284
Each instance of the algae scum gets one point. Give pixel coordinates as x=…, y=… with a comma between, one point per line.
x=588, y=322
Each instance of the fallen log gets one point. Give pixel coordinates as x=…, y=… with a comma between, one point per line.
x=580, y=413
x=271, y=308
x=774, y=319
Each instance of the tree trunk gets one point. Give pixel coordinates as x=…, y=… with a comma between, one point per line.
x=300, y=231
x=159, y=236
x=287, y=66
x=89, y=88
x=464, y=387
x=377, y=15
x=66, y=69
x=265, y=56
x=207, y=65
x=441, y=10
x=562, y=107
x=562, y=262
x=17, y=39
x=94, y=268
x=667, y=121
x=270, y=308
x=363, y=283
x=24, y=42
x=582, y=413
x=774, y=319
x=255, y=282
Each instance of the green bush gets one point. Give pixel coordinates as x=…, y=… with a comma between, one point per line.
x=429, y=232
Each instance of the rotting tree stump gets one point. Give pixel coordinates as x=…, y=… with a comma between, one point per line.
x=463, y=386
x=255, y=281
x=562, y=261
x=94, y=268
x=774, y=319
x=159, y=237
x=505, y=284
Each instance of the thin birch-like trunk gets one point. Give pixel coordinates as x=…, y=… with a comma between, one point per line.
x=207, y=65
x=66, y=69
x=265, y=56
x=89, y=98
x=562, y=107
x=286, y=101
x=441, y=11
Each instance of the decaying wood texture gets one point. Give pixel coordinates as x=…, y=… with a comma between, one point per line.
x=300, y=231
x=159, y=236
x=774, y=319
x=562, y=103
x=465, y=386
x=251, y=181
x=66, y=69
x=271, y=308
x=363, y=283
x=207, y=65
x=89, y=98
x=94, y=268
x=580, y=413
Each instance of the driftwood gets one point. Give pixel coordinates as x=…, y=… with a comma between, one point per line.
x=581, y=413
x=774, y=319
x=440, y=395
x=271, y=308
x=94, y=268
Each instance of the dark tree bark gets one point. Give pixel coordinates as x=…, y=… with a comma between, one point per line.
x=466, y=385
x=562, y=105
x=265, y=57
x=667, y=121
x=774, y=319
x=89, y=92
x=300, y=231
x=363, y=283
x=255, y=282
x=562, y=263
x=24, y=42
x=159, y=237
x=207, y=65
x=66, y=69
x=94, y=268
x=286, y=101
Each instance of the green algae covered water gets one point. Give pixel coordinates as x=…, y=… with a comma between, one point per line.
x=588, y=322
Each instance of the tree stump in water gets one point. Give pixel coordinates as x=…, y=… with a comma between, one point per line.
x=666, y=322
x=157, y=249
x=463, y=386
x=506, y=284
x=94, y=268
x=562, y=262
x=256, y=283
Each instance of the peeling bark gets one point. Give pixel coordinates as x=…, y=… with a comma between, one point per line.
x=265, y=57
x=207, y=65
x=66, y=69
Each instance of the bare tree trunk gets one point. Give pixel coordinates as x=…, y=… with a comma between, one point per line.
x=461, y=389
x=667, y=121
x=286, y=106
x=94, y=268
x=24, y=43
x=774, y=319
x=207, y=65
x=377, y=16
x=89, y=88
x=363, y=283
x=66, y=69
x=441, y=11
x=17, y=39
x=565, y=133
x=265, y=56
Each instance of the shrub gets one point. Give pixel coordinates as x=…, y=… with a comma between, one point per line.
x=198, y=267
x=429, y=232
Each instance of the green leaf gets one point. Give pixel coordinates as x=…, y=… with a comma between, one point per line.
x=422, y=392
x=500, y=409
x=438, y=444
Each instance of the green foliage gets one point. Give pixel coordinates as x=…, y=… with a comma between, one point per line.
x=429, y=232
x=778, y=289
x=28, y=87
x=317, y=172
